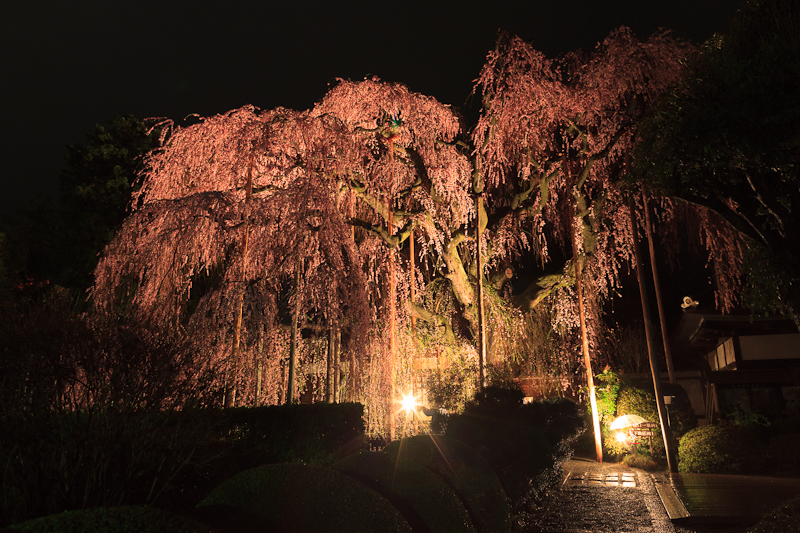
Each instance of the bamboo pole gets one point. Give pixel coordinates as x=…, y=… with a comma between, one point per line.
x=587, y=360
x=351, y=356
x=392, y=326
x=392, y=299
x=293, y=340
x=481, y=315
x=657, y=286
x=259, y=369
x=329, y=370
x=412, y=289
x=336, y=370
x=666, y=433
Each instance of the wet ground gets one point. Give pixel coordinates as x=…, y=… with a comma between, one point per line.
x=609, y=497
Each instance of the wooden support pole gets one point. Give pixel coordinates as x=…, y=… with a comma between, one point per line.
x=657, y=286
x=481, y=314
x=293, y=339
x=672, y=462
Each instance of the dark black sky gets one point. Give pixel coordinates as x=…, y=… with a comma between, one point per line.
x=65, y=66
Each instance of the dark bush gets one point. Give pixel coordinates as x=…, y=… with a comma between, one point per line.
x=127, y=519
x=782, y=519
x=782, y=454
x=720, y=450
x=525, y=445
x=463, y=469
x=81, y=411
x=52, y=359
x=296, y=498
x=420, y=494
x=228, y=441
x=72, y=460
x=560, y=419
x=312, y=433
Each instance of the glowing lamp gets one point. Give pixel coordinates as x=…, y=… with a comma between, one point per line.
x=408, y=403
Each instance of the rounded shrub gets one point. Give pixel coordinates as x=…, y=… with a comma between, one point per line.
x=420, y=494
x=463, y=469
x=297, y=498
x=785, y=517
x=720, y=450
x=127, y=519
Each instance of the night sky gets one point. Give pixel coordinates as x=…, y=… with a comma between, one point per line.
x=67, y=65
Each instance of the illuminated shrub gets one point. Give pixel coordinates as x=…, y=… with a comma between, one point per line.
x=639, y=399
x=129, y=519
x=420, y=494
x=607, y=387
x=296, y=498
x=720, y=450
x=466, y=471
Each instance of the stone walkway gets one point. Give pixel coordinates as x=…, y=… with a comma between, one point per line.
x=607, y=497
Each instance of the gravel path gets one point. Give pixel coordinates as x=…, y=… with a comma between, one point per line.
x=600, y=498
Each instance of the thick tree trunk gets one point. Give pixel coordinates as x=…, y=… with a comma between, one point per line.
x=459, y=281
x=439, y=321
x=460, y=284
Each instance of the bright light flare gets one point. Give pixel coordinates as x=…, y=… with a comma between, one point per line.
x=408, y=403
x=622, y=438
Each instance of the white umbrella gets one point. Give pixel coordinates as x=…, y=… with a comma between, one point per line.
x=626, y=421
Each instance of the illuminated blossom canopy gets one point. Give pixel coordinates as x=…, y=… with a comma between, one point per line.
x=553, y=139
x=237, y=204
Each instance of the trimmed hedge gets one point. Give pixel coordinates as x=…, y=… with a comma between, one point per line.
x=126, y=519
x=720, y=450
x=419, y=493
x=466, y=471
x=297, y=498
